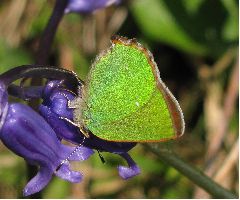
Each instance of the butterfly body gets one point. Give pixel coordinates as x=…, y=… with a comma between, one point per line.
x=124, y=99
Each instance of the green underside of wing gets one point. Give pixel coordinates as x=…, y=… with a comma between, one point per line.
x=119, y=83
x=150, y=123
x=122, y=101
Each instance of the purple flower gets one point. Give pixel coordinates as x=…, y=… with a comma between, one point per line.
x=88, y=6
x=55, y=106
x=37, y=138
x=28, y=135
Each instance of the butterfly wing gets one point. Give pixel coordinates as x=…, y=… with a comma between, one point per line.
x=126, y=99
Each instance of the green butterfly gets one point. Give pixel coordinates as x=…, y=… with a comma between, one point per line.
x=124, y=98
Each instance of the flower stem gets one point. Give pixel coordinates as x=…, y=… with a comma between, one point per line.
x=46, y=40
x=50, y=31
x=190, y=172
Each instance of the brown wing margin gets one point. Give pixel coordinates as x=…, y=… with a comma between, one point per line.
x=174, y=108
x=173, y=105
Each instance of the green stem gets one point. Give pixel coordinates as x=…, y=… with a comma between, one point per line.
x=190, y=172
x=50, y=32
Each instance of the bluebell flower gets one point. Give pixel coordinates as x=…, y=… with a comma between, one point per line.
x=36, y=136
x=88, y=6
x=28, y=135
x=55, y=106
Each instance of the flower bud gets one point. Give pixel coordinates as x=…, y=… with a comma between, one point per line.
x=88, y=6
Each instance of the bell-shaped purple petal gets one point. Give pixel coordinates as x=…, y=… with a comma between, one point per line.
x=88, y=6
x=28, y=135
x=39, y=181
x=131, y=170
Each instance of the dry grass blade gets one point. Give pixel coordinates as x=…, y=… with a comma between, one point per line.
x=228, y=164
x=10, y=21
x=219, y=108
x=227, y=112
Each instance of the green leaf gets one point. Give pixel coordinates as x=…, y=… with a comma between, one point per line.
x=192, y=6
x=230, y=28
x=199, y=27
x=157, y=22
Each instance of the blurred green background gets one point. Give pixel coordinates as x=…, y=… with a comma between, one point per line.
x=194, y=43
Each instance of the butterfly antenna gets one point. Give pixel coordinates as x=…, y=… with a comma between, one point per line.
x=70, y=155
x=101, y=157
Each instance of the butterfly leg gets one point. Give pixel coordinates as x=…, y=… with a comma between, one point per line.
x=82, y=129
x=131, y=170
x=84, y=132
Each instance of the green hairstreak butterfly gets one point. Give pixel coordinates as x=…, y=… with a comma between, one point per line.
x=124, y=98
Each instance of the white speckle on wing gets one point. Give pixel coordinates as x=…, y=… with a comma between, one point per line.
x=137, y=104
